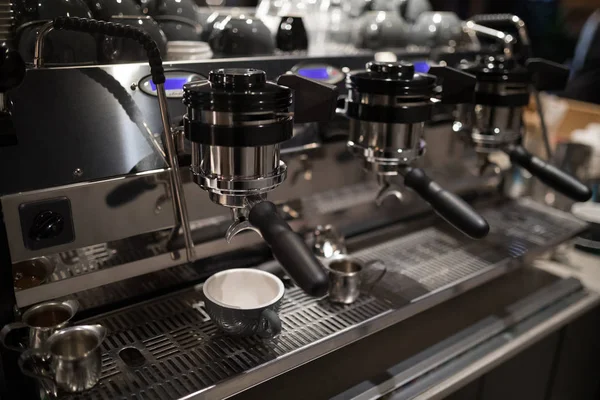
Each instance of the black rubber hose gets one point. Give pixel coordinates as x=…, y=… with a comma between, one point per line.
x=118, y=30
x=114, y=87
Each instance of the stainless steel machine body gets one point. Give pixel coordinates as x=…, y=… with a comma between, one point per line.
x=386, y=144
x=494, y=121
x=95, y=196
x=231, y=173
x=491, y=128
x=385, y=147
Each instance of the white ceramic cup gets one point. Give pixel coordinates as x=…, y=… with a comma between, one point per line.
x=244, y=301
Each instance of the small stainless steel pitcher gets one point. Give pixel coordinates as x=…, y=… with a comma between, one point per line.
x=70, y=359
x=346, y=278
x=42, y=321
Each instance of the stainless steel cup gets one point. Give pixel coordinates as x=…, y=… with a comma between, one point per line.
x=42, y=321
x=70, y=360
x=345, y=278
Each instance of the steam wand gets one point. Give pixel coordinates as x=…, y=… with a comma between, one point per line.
x=158, y=77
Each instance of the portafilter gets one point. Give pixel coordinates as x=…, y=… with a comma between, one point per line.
x=236, y=121
x=388, y=105
x=505, y=83
x=494, y=122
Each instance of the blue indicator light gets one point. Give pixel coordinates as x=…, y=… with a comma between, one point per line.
x=421, y=66
x=171, y=84
x=321, y=73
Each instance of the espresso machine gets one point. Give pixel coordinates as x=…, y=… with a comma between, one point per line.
x=155, y=173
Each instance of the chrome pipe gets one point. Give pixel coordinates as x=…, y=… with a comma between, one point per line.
x=543, y=126
x=506, y=39
x=179, y=205
x=38, y=55
x=521, y=28
x=513, y=20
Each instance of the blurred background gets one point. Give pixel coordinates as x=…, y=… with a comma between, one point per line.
x=554, y=25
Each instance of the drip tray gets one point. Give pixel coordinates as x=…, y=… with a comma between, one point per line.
x=168, y=348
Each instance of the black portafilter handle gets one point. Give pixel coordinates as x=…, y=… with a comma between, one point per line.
x=289, y=249
x=448, y=205
x=549, y=174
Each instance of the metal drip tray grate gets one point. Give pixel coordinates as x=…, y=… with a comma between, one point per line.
x=431, y=257
x=169, y=349
x=183, y=352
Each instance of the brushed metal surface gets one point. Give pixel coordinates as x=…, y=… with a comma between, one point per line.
x=150, y=209
x=385, y=145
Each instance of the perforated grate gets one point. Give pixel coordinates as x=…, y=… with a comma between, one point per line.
x=180, y=352
x=436, y=259
x=183, y=352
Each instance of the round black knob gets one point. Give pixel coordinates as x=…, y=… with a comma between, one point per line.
x=46, y=225
x=402, y=70
x=237, y=78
